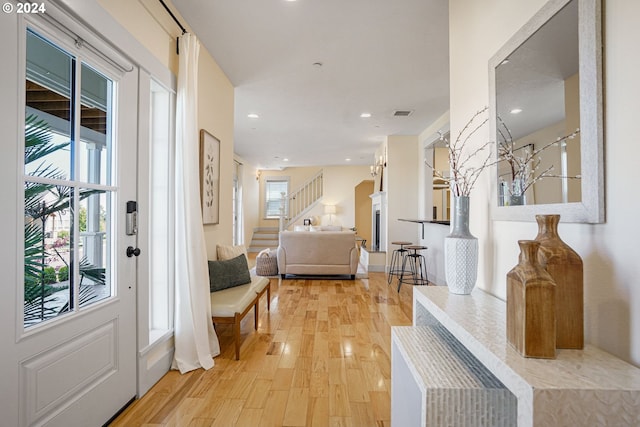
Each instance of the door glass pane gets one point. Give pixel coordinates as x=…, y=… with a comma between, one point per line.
x=48, y=266
x=94, y=223
x=95, y=135
x=49, y=109
x=67, y=226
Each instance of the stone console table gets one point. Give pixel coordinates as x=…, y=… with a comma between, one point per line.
x=579, y=388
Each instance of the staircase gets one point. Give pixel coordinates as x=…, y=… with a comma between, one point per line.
x=305, y=197
x=300, y=202
x=263, y=237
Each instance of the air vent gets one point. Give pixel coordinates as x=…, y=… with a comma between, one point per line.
x=402, y=113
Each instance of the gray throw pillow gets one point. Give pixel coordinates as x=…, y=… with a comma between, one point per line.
x=228, y=273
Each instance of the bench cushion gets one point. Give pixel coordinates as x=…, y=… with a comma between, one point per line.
x=228, y=302
x=258, y=283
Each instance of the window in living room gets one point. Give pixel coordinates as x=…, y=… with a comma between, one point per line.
x=274, y=189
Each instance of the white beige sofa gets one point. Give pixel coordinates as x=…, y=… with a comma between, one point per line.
x=318, y=253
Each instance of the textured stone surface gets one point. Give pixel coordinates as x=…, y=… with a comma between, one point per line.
x=580, y=387
x=457, y=389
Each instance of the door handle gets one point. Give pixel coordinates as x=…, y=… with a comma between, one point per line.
x=132, y=252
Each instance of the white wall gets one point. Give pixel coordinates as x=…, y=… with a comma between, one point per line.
x=609, y=251
x=340, y=189
x=155, y=29
x=401, y=183
x=434, y=233
x=250, y=203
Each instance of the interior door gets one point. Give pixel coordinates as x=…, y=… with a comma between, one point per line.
x=72, y=360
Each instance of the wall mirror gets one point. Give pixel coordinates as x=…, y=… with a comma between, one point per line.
x=546, y=116
x=436, y=160
x=441, y=210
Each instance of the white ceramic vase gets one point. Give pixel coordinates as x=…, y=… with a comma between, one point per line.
x=461, y=251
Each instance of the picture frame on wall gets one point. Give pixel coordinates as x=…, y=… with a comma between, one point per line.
x=209, y=177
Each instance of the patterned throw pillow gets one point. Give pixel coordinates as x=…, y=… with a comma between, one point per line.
x=228, y=273
x=229, y=252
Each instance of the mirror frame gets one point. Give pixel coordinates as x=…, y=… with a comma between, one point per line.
x=592, y=207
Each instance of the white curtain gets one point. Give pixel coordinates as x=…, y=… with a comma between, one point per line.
x=196, y=343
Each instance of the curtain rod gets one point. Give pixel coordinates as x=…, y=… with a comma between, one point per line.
x=184, y=30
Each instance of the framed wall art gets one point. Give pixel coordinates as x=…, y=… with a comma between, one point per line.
x=209, y=177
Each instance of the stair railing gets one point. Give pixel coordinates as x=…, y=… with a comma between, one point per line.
x=300, y=201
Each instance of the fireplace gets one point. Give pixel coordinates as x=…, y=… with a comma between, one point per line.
x=376, y=232
x=378, y=222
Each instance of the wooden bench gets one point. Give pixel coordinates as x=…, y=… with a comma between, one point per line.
x=229, y=306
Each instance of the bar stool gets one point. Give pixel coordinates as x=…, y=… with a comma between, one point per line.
x=397, y=260
x=417, y=267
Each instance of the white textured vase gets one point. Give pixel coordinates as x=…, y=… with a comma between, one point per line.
x=461, y=251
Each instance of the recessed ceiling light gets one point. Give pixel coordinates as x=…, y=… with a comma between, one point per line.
x=253, y=116
x=516, y=111
x=285, y=160
x=317, y=64
x=347, y=160
x=365, y=115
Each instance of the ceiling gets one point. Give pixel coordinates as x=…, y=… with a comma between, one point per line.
x=309, y=68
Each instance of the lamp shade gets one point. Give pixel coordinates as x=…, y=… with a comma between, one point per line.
x=329, y=209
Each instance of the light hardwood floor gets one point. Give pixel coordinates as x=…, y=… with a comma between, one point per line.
x=320, y=357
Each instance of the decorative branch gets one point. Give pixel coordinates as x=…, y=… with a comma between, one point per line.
x=524, y=169
x=463, y=177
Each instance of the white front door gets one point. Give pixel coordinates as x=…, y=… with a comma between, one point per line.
x=69, y=309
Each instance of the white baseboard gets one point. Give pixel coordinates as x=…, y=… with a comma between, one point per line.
x=153, y=364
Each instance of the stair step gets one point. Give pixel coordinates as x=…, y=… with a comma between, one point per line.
x=263, y=238
x=267, y=236
x=253, y=249
x=265, y=230
x=264, y=242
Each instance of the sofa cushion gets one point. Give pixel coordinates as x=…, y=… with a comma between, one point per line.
x=331, y=228
x=228, y=273
x=230, y=252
